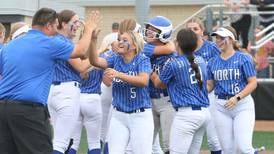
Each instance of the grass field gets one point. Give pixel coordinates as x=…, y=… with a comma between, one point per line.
x=259, y=139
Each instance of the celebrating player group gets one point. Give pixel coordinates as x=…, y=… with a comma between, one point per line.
x=142, y=92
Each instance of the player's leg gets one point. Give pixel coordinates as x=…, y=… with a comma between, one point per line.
x=92, y=113
x=224, y=126
x=181, y=134
x=212, y=137
x=166, y=118
x=105, y=143
x=141, y=129
x=66, y=104
x=244, y=125
x=76, y=134
x=118, y=133
x=51, y=107
x=185, y=124
x=156, y=148
x=199, y=133
x=106, y=99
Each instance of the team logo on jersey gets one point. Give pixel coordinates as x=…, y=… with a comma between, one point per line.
x=132, y=73
x=156, y=68
x=227, y=74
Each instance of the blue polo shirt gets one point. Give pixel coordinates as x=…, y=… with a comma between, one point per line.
x=0, y=60
x=28, y=66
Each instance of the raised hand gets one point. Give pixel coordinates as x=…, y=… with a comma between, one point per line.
x=95, y=33
x=93, y=21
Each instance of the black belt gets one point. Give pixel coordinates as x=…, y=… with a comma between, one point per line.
x=129, y=112
x=225, y=97
x=194, y=108
x=158, y=95
x=76, y=84
x=27, y=103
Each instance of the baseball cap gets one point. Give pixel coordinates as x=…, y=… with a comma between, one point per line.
x=223, y=32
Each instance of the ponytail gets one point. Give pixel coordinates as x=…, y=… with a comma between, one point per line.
x=187, y=42
x=195, y=68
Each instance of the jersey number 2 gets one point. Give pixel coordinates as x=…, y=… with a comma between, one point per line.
x=193, y=80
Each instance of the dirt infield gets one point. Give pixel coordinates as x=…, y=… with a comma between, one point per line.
x=264, y=125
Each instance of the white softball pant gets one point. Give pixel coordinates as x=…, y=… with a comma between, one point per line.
x=106, y=100
x=211, y=132
x=235, y=126
x=163, y=114
x=136, y=127
x=187, y=130
x=63, y=105
x=91, y=118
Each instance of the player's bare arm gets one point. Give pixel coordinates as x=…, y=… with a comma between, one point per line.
x=156, y=81
x=249, y=88
x=140, y=80
x=164, y=49
x=94, y=58
x=107, y=80
x=210, y=85
x=83, y=44
x=80, y=65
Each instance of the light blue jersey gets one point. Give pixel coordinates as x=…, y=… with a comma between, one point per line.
x=63, y=71
x=208, y=51
x=182, y=85
x=230, y=76
x=28, y=64
x=127, y=97
x=1, y=59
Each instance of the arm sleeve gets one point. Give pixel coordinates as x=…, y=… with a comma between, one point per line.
x=111, y=60
x=167, y=72
x=149, y=50
x=1, y=61
x=61, y=48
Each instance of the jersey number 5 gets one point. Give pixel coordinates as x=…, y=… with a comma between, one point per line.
x=132, y=92
x=193, y=80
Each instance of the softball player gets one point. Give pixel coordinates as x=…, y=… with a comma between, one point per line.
x=63, y=102
x=184, y=77
x=233, y=77
x=157, y=33
x=206, y=50
x=106, y=100
x=124, y=26
x=131, y=113
x=90, y=113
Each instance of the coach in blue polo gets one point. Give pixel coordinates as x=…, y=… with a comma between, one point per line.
x=27, y=66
